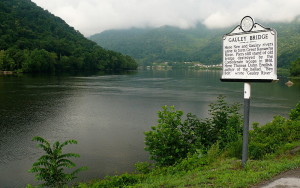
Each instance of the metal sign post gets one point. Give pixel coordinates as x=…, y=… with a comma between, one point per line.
x=247, y=95
x=249, y=55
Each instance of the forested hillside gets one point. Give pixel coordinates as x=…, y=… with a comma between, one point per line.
x=164, y=44
x=195, y=44
x=34, y=40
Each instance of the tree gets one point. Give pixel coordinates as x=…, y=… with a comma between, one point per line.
x=165, y=142
x=225, y=122
x=172, y=139
x=50, y=167
x=295, y=68
x=2, y=55
x=52, y=44
x=6, y=61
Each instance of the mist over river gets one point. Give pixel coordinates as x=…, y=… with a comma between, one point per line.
x=108, y=113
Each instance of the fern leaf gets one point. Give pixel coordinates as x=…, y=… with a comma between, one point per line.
x=65, y=163
x=79, y=170
x=68, y=155
x=68, y=142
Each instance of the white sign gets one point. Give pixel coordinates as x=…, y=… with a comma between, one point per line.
x=250, y=56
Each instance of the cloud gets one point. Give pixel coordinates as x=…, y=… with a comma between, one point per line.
x=94, y=16
x=262, y=10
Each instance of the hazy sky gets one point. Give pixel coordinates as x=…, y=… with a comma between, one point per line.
x=94, y=16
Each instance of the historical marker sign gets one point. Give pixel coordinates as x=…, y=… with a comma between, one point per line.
x=250, y=53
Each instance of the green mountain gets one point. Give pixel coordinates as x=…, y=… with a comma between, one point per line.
x=34, y=40
x=195, y=44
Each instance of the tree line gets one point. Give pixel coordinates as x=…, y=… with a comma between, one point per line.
x=34, y=40
x=199, y=44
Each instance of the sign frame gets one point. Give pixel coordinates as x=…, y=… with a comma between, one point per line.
x=247, y=30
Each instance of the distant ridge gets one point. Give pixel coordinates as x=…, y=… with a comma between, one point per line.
x=195, y=44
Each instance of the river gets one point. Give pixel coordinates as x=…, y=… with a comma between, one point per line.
x=108, y=113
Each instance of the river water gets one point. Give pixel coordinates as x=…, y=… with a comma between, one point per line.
x=108, y=113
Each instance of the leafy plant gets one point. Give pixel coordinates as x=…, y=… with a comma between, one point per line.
x=173, y=139
x=165, y=142
x=215, y=166
x=143, y=167
x=295, y=113
x=268, y=139
x=225, y=122
x=272, y=136
x=118, y=181
x=295, y=68
x=50, y=167
x=213, y=153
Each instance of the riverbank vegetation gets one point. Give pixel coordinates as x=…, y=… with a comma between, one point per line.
x=181, y=65
x=34, y=40
x=193, y=152
x=295, y=68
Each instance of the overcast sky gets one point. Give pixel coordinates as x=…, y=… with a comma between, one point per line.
x=95, y=16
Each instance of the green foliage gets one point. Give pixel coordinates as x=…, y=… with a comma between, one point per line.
x=50, y=167
x=268, y=139
x=120, y=181
x=234, y=149
x=143, y=167
x=124, y=180
x=172, y=139
x=215, y=166
x=198, y=44
x=213, y=153
x=295, y=113
x=165, y=142
x=34, y=40
x=225, y=122
x=295, y=68
x=221, y=173
x=165, y=44
x=191, y=162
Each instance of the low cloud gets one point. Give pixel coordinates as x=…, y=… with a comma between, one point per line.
x=94, y=16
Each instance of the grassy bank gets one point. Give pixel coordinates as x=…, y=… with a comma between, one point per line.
x=192, y=152
x=222, y=172
x=271, y=151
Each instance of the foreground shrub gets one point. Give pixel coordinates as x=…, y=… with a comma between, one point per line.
x=50, y=167
x=165, y=142
x=173, y=138
x=123, y=180
x=269, y=138
x=225, y=123
x=295, y=113
x=143, y=167
x=214, y=166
